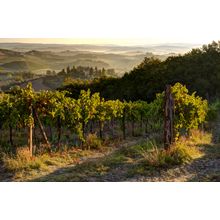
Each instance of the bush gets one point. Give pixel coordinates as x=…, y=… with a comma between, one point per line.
x=23, y=161
x=93, y=142
x=23, y=153
x=183, y=151
x=190, y=109
x=213, y=111
x=18, y=163
x=161, y=158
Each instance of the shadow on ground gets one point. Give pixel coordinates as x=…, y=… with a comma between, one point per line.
x=116, y=168
x=105, y=169
x=4, y=175
x=120, y=165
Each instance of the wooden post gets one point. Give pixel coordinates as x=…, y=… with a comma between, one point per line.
x=30, y=139
x=10, y=131
x=30, y=133
x=91, y=126
x=11, y=135
x=123, y=125
x=101, y=129
x=168, y=118
x=141, y=125
x=35, y=135
x=58, y=131
x=41, y=127
x=83, y=129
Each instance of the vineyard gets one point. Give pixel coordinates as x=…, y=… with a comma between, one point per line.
x=50, y=120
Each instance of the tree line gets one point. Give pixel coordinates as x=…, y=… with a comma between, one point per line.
x=85, y=72
x=198, y=69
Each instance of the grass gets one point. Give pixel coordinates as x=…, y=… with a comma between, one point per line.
x=185, y=150
x=23, y=166
x=142, y=159
x=121, y=163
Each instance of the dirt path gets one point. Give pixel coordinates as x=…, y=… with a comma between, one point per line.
x=55, y=172
x=203, y=169
x=114, y=167
x=206, y=168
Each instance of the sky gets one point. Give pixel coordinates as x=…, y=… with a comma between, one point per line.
x=126, y=22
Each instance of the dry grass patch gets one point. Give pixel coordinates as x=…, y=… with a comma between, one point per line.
x=22, y=163
x=185, y=150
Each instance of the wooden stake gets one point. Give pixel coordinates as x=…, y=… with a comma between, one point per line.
x=123, y=125
x=11, y=135
x=30, y=139
x=168, y=118
x=58, y=131
x=41, y=127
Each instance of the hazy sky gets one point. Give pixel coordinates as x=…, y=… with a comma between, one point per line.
x=113, y=21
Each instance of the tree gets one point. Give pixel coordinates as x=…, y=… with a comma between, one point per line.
x=68, y=70
x=198, y=69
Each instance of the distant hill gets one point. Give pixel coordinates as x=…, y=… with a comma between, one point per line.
x=40, y=57
x=8, y=53
x=21, y=62
x=40, y=61
x=15, y=66
x=198, y=69
x=155, y=48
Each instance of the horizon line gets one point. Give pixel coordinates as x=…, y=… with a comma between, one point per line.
x=105, y=44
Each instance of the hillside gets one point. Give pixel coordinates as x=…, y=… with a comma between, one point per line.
x=199, y=70
x=40, y=57
x=15, y=65
x=17, y=61
x=40, y=61
x=67, y=136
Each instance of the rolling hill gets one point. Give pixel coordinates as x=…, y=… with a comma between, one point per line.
x=17, y=60
x=40, y=57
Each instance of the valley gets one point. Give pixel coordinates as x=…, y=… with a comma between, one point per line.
x=21, y=63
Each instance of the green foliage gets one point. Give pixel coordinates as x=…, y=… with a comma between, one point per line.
x=190, y=110
x=16, y=110
x=213, y=111
x=183, y=151
x=199, y=70
x=93, y=142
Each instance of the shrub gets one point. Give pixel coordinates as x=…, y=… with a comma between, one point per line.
x=23, y=153
x=183, y=151
x=198, y=137
x=20, y=163
x=23, y=161
x=93, y=142
x=213, y=111
x=190, y=109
